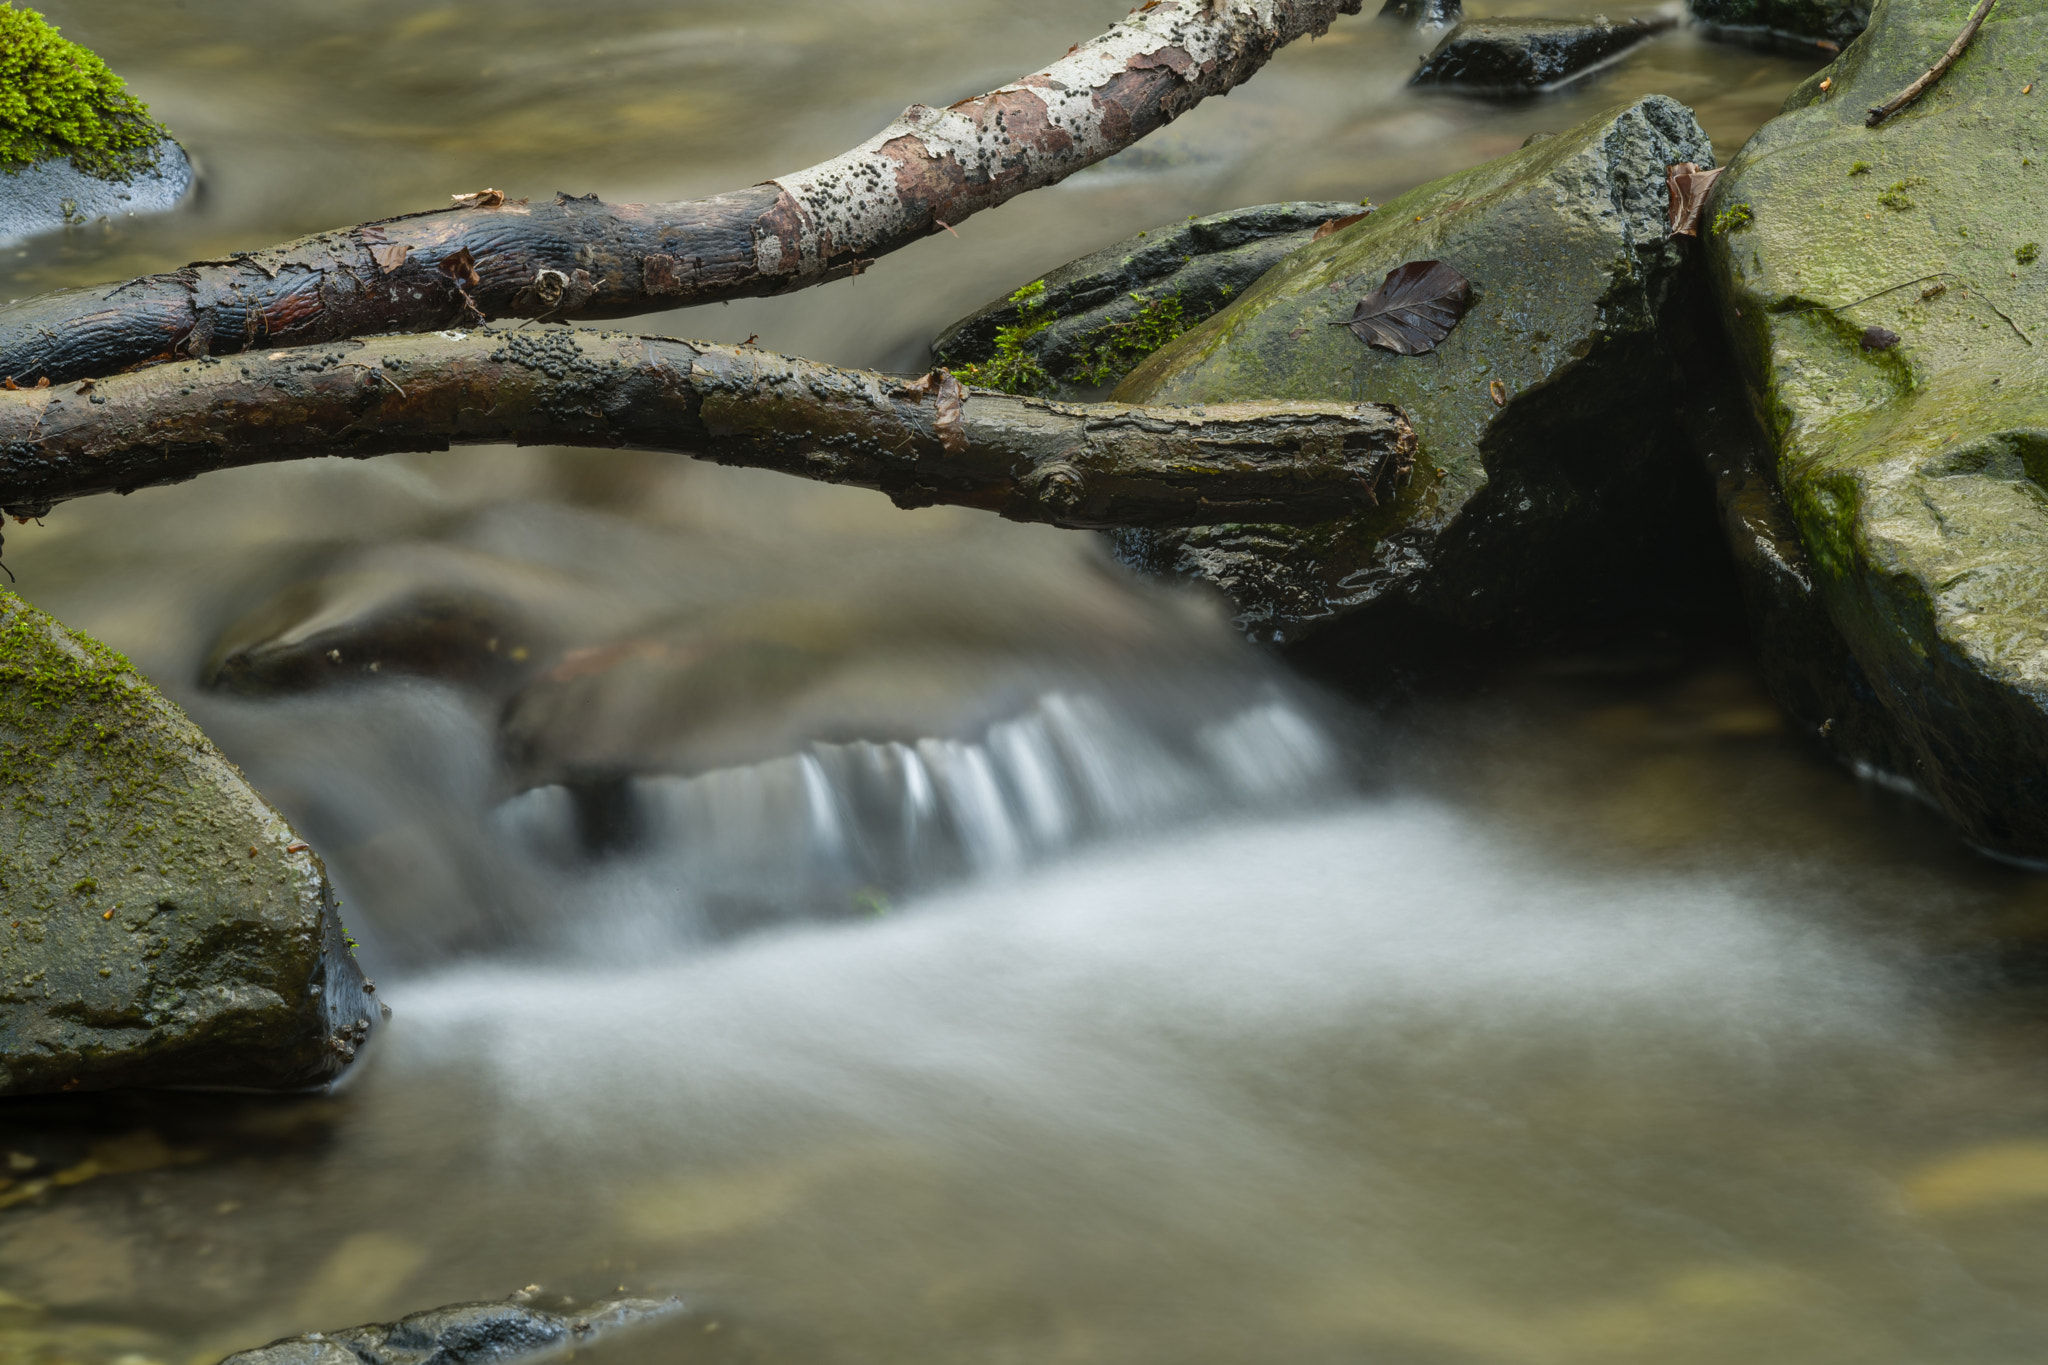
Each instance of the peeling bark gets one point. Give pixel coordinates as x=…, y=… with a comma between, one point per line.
x=1077, y=465
x=579, y=258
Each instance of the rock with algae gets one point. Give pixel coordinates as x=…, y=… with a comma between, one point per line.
x=1793, y=25
x=464, y=1334
x=1916, y=472
x=75, y=146
x=160, y=924
x=1547, y=475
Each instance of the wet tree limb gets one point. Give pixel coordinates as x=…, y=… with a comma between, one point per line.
x=579, y=258
x=1933, y=73
x=1078, y=465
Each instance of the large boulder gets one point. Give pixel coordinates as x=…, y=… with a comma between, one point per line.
x=1887, y=298
x=1519, y=57
x=1549, y=475
x=160, y=924
x=1789, y=25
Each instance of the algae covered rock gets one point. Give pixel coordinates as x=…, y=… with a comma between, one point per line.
x=160, y=924
x=1548, y=474
x=465, y=1334
x=75, y=146
x=1887, y=299
x=1086, y=324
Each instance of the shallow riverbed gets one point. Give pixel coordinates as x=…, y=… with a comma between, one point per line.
x=1044, y=976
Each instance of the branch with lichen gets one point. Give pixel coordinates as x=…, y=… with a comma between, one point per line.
x=573, y=258
x=1076, y=465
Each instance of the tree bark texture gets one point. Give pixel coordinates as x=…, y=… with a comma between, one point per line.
x=1076, y=465
x=579, y=258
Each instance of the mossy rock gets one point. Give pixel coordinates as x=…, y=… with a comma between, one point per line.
x=160, y=924
x=75, y=146
x=1548, y=474
x=1914, y=471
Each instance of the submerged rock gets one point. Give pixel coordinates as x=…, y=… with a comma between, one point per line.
x=464, y=1334
x=1793, y=25
x=75, y=148
x=1086, y=324
x=1914, y=472
x=1424, y=13
x=1528, y=56
x=160, y=924
x=1549, y=475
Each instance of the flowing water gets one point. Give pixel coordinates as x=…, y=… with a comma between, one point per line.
x=908, y=939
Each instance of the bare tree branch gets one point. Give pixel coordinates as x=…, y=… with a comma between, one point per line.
x=1079, y=465
x=578, y=258
x=1933, y=73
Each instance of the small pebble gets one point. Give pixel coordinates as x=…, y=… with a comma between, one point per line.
x=1879, y=339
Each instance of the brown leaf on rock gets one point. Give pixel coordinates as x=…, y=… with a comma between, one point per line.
x=950, y=397
x=390, y=256
x=1689, y=185
x=1414, y=308
x=478, y=199
x=1498, y=392
x=1336, y=225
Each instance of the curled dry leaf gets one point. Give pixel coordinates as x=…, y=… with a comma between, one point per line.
x=1498, y=392
x=1689, y=185
x=950, y=397
x=479, y=199
x=1336, y=225
x=1414, y=308
x=461, y=268
x=390, y=256
x=1879, y=338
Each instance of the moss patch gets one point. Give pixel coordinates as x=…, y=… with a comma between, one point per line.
x=58, y=99
x=1013, y=368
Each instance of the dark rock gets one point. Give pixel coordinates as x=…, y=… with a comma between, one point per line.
x=1424, y=13
x=1915, y=473
x=1800, y=26
x=165, y=927
x=1529, y=56
x=1543, y=510
x=463, y=1334
x=1191, y=268
x=55, y=194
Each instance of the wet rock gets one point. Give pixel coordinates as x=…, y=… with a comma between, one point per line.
x=1095, y=318
x=464, y=1334
x=1528, y=56
x=1802, y=26
x=1424, y=13
x=160, y=924
x=56, y=194
x=1914, y=473
x=1549, y=476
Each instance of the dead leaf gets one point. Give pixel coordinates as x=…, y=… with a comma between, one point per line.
x=43, y=383
x=950, y=397
x=1336, y=225
x=461, y=268
x=1689, y=185
x=390, y=256
x=1499, y=392
x=478, y=199
x=9, y=383
x=1879, y=338
x=1414, y=308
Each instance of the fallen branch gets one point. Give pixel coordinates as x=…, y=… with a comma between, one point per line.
x=1935, y=72
x=578, y=258
x=1078, y=465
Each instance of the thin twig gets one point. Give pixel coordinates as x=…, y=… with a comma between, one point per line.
x=1934, y=73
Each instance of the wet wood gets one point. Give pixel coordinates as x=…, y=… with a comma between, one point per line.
x=1077, y=465
x=571, y=258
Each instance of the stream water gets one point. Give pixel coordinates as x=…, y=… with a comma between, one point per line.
x=997, y=961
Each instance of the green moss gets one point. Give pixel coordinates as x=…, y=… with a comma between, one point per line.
x=1113, y=351
x=1895, y=196
x=1732, y=219
x=1860, y=168
x=1013, y=369
x=59, y=99
x=2026, y=253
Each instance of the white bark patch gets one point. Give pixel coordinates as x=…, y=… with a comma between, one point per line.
x=852, y=204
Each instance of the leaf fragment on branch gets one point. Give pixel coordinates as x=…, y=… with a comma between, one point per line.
x=390, y=256
x=950, y=398
x=478, y=199
x=1689, y=185
x=1414, y=308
